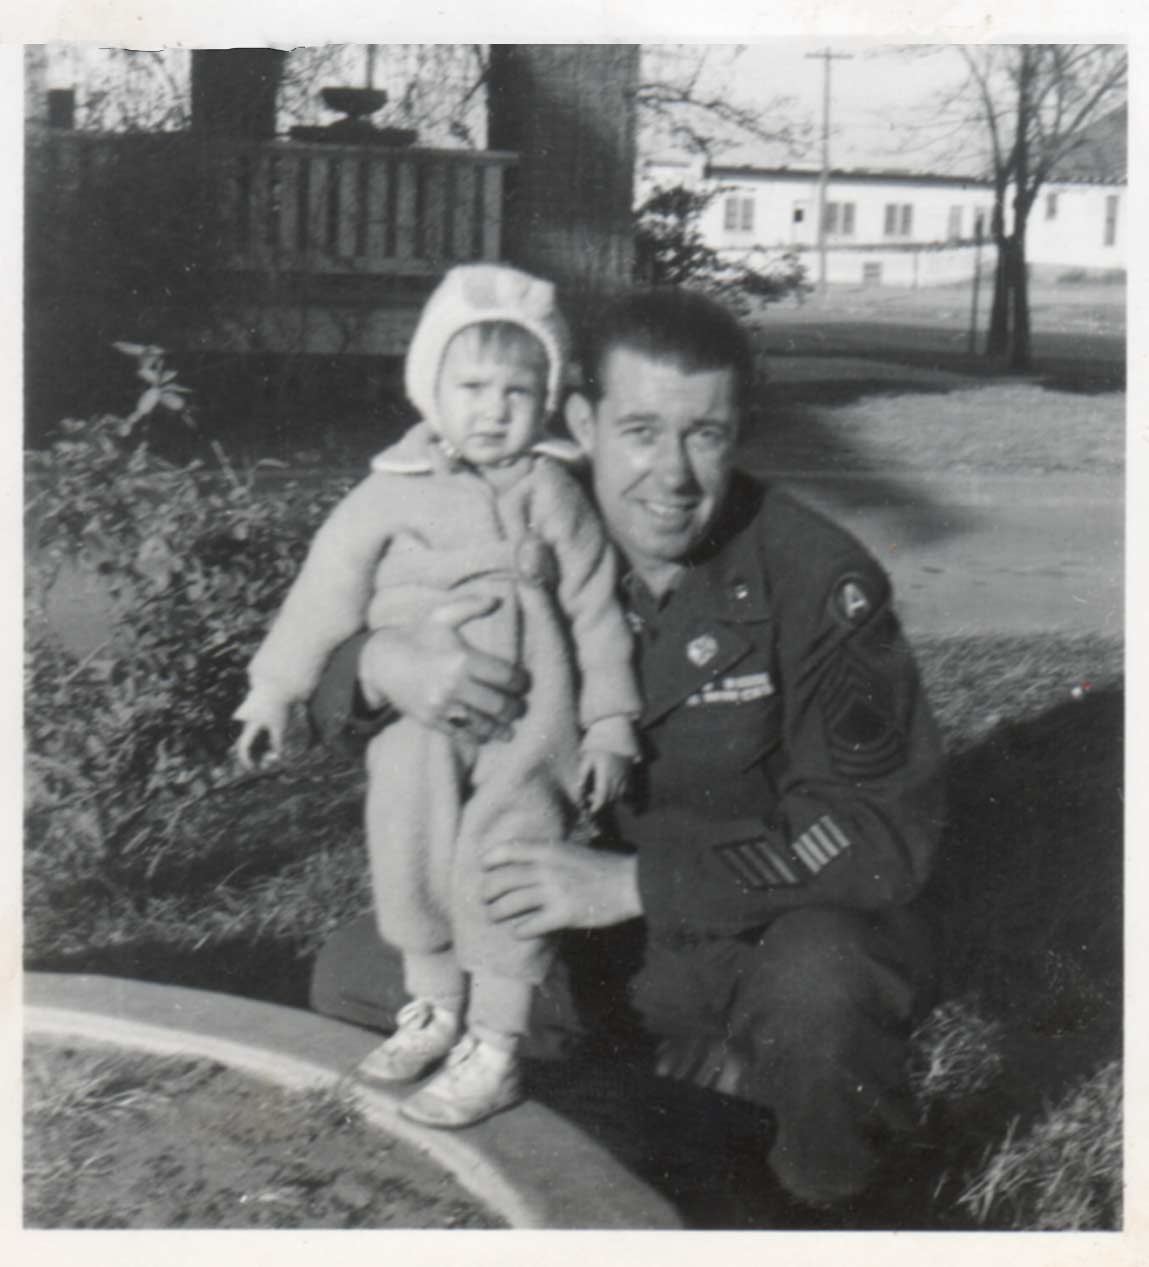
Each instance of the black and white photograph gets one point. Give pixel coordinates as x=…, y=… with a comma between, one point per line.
x=732, y=837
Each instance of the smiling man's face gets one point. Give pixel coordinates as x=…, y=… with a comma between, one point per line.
x=662, y=441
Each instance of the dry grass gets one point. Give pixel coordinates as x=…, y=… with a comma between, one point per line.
x=1006, y=427
x=252, y=880
x=957, y=1053
x=116, y=1138
x=893, y=422
x=236, y=892
x=1065, y=1172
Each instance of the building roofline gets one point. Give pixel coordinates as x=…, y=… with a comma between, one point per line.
x=876, y=176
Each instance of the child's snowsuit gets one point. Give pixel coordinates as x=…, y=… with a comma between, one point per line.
x=419, y=530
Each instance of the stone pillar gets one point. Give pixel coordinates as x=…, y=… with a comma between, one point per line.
x=568, y=111
x=233, y=91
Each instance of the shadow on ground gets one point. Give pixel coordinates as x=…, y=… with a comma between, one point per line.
x=1077, y=362
x=789, y=436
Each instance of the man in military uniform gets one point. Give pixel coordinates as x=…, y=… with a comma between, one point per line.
x=789, y=799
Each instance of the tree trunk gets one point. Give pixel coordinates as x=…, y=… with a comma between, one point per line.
x=997, y=337
x=1019, y=307
x=233, y=91
x=568, y=110
x=1020, y=357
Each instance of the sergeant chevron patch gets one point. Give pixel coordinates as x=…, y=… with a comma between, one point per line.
x=863, y=739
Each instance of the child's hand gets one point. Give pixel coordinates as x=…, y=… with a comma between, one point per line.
x=261, y=740
x=602, y=777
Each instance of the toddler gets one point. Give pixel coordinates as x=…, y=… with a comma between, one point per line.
x=471, y=500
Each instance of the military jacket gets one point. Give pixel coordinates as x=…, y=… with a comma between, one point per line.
x=790, y=757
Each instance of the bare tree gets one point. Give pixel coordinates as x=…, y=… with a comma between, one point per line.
x=435, y=89
x=1018, y=112
x=685, y=102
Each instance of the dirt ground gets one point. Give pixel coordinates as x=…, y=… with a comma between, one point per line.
x=118, y=1139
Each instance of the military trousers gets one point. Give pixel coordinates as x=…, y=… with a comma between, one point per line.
x=808, y=1018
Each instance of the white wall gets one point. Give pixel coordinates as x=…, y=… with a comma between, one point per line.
x=777, y=199
x=1075, y=237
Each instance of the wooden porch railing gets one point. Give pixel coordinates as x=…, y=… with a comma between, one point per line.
x=306, y=208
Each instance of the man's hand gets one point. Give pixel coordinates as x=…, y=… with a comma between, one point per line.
x=538, y=887
x=429, y=672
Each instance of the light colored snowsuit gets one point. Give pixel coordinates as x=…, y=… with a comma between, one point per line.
x=419, y=529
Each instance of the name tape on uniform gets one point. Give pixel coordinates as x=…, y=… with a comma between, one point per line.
x=742, y=689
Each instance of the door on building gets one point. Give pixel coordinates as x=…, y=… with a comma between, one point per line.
x=800, y=228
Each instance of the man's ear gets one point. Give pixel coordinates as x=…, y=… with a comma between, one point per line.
x=579, y=414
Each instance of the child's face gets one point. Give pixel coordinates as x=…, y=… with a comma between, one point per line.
x=491, y=396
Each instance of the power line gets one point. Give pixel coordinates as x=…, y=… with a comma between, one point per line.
x=826, y=56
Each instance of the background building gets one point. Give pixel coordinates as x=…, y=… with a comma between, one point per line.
x=902, y=228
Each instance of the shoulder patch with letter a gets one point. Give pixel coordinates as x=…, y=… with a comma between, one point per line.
x=852, y=604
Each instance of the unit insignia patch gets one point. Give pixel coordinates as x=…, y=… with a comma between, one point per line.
x=701, y=650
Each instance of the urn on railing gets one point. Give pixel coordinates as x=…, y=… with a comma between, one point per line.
x=357, y=105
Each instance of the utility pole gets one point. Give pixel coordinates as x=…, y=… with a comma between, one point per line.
x=826, y=56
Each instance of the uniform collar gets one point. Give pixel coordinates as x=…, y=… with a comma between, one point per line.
x=707, y=624
x=726, y=576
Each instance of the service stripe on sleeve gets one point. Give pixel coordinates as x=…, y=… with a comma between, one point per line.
x=808, y=856
x=821, y=843
x=825, y=841
x=760, y=864
x=836, y=832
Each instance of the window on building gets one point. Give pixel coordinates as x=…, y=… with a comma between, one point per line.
x=953, y=229
x=738, y=214
x=1111, y=220
x=899, y=219
x=799, y=214
x=980, y=222
x=872, y=273
x=840, y=218
x=746, y=224
x=1051, y=206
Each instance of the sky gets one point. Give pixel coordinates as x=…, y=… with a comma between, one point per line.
x=870, y=94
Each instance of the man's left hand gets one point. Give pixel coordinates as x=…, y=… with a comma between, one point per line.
x=539, y=887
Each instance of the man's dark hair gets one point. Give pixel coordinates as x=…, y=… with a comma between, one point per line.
x=665, y=323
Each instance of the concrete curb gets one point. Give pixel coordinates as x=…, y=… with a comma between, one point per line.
x=528, y=1165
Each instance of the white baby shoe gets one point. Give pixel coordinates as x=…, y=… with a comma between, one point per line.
x=424, y=1034
x=478, y=1080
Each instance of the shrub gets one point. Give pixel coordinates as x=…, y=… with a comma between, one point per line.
x=671, y=251
x=192, y=563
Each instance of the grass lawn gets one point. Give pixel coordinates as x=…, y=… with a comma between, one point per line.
x=992, y=427
x=237, y=895
x=103, y=1125
x=1016, y=1072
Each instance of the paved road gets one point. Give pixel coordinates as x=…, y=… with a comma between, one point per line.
x=989, y=553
